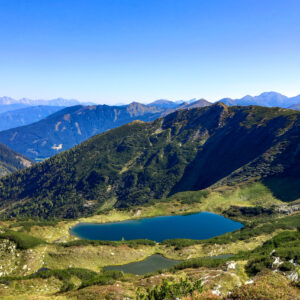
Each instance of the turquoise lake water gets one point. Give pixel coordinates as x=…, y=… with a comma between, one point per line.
x=202, y=225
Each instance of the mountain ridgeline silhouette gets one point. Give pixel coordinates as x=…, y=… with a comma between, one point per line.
x=190, y=149
x=73, y=125
x=268, y=99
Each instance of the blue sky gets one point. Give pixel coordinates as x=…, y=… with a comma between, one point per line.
x=111, y=51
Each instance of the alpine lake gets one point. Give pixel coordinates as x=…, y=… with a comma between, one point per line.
x=198, y=226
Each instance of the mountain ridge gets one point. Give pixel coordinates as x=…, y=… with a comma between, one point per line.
x=268, y=99
x=72, y=125
x=26, y=116
x=190, y=149
x=35, y=102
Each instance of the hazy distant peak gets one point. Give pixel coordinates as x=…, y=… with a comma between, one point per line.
x=135, y=103
x=163, y=103
x=268, y=99
x=34, y=102
x=194, y=104
x=271, y=93
x=7, y=100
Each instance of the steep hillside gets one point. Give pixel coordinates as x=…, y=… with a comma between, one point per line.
x=11, y=161
x=71, y=126
x=25, y=116
x=186, y=150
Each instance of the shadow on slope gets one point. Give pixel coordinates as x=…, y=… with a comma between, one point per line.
x=230, y=148
x=286, y=189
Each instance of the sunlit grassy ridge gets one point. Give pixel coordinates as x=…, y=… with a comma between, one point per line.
x=254, y=204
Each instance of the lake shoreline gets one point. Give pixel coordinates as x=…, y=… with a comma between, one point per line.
x=147, y=223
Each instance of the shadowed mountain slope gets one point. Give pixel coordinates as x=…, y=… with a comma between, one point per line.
x=10, y=161
x=186, y=150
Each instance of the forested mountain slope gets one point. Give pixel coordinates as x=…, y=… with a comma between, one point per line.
x=11, y=161
x=73, y=125
x=70, y=126
x=186, y=150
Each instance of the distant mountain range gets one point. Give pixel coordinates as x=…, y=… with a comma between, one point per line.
x=25, y=116
x=46, y=134
x=10, y=104
x=268, y=99
x=30, y=102
x=10, y=161
x=295, y=106
x=165, y=104
x=72, y=125
x=186, y=150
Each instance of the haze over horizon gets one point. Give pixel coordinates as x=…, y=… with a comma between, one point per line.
x=89, y=102
x=129, y=50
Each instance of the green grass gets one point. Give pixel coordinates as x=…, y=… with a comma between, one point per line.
x=23, y=241
x=200, y=262
x=27, y=225
x=189, y=197
x=262, y=114
x=131, y=243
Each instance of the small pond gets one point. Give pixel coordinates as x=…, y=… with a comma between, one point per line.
x=202, y=225
x=151, y=264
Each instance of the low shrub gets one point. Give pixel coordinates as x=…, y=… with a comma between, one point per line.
x=28, y=224
x=170, y=290
x=286, y=266
x=181, y=243
x=258, y=264
x=200, y=262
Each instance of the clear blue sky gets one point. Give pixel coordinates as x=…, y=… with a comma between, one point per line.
x=112, y=51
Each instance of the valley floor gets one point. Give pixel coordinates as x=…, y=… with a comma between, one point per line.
x=72, y=268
